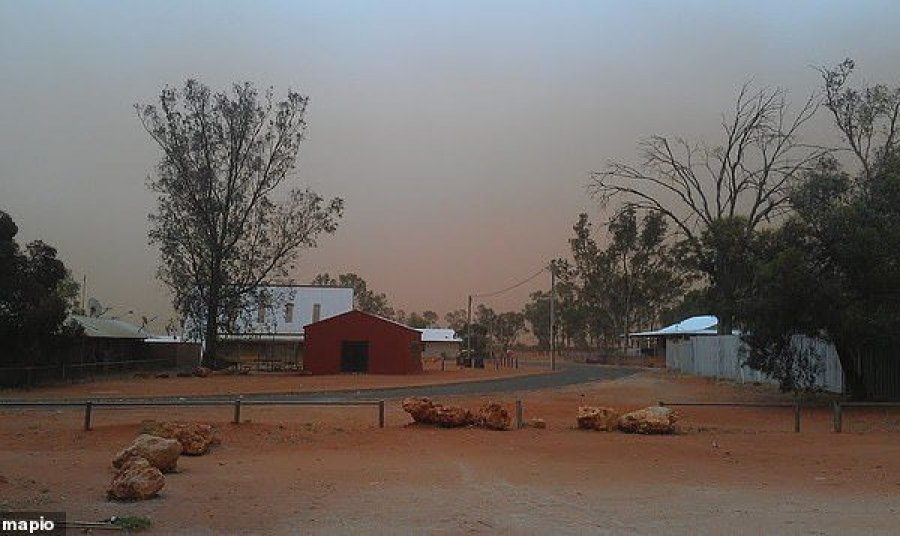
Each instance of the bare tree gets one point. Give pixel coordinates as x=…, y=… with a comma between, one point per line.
x=225, y=220
x=745, y=181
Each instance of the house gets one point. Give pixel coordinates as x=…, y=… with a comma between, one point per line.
x=272, y=334
x=440, y=343
x=360, y=342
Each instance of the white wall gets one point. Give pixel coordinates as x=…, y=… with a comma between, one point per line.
x=720, y=356
x=332, y=301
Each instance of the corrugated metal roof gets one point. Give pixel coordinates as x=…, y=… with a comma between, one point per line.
x=106, y=328
x=439, y=335
x=695, y=325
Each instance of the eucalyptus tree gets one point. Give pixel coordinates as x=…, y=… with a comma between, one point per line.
x=229, y=214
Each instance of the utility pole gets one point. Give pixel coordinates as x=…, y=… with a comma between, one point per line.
x=552, y=317
x=469, y=335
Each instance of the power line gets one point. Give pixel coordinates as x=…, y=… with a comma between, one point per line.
x=507, y=289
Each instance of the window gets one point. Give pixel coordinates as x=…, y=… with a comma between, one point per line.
x=289, y=313
x=261, y=313
x=317, y=312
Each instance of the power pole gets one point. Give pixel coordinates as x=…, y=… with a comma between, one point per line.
x=469, y=335
x=552, y=317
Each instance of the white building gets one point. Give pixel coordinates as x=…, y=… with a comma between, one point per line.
x=273, y=332
x=440, y=343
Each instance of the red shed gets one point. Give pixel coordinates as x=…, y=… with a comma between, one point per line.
x=361, y=342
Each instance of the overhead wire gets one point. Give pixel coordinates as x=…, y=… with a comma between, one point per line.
x=511, y=287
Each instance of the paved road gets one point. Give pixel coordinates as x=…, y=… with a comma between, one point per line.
x=570, y=374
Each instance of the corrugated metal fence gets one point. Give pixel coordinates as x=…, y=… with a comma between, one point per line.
x=721, y=356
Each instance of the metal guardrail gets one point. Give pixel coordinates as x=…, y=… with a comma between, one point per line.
x=795, y=405
x=237, y=403
x=838, y=408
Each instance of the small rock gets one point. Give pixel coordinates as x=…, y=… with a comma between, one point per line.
x=651, y=420
x=136, y=479
x=597, y=418
x=537, y=423
x=493, y=416
x=201, y=372
x=195, y=438
x=162, y=375
x=160, y=452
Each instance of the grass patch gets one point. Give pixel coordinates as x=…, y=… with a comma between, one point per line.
x=133, y=523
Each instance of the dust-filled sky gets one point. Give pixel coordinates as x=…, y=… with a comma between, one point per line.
x=460, y=134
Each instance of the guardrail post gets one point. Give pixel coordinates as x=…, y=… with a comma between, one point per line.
x=519, y=412
x=797, y=416
x=838, y=417
x=381, y=413
x=87, y=414
x=237, y=411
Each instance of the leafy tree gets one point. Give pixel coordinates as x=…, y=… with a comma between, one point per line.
x=834, y=267
x=430, y=318
x=507, y=327
x=537, y=314
x=36, y=295
x=364, y=299
x=457, y=320
x=224, y=222
x=631, y=281
x=415, y=320
x=734, y=188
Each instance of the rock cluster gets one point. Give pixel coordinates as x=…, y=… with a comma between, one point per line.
x=135, y=480
x=160, y=452
x=651, y=420
x=597, y=418
x=422, y=410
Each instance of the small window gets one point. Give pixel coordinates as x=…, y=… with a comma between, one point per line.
x=289, y=313
x=261, y=313
x=317, y=312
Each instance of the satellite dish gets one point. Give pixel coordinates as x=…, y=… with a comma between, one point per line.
x=95, y=308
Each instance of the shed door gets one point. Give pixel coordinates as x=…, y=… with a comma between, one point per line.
x=354, y=356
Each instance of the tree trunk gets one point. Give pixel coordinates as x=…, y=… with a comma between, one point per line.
x=211, y=336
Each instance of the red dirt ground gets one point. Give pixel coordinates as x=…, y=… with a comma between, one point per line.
x=286, y=382
x=331, y=470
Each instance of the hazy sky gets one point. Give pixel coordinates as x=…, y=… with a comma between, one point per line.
x=460, y=134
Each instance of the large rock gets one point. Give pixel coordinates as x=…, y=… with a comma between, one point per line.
x=652, y=420
x=493, y=416
x=422, y=409
x=135, y=480
x=160, y=452
x=597, y=418
x=195, y=438
x=452, y=416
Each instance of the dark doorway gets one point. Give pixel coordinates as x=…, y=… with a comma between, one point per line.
x=354, y=356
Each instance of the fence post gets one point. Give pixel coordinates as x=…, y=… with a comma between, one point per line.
x=87, y=414
x=381, y=413
x=519, y=412
x=797, y=416
x=838, y=417
x=237, y=411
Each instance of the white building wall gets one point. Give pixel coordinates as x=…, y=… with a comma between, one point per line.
x=434, y=349
x=332, y=301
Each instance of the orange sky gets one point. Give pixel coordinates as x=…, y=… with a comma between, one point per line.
x=460, y=134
